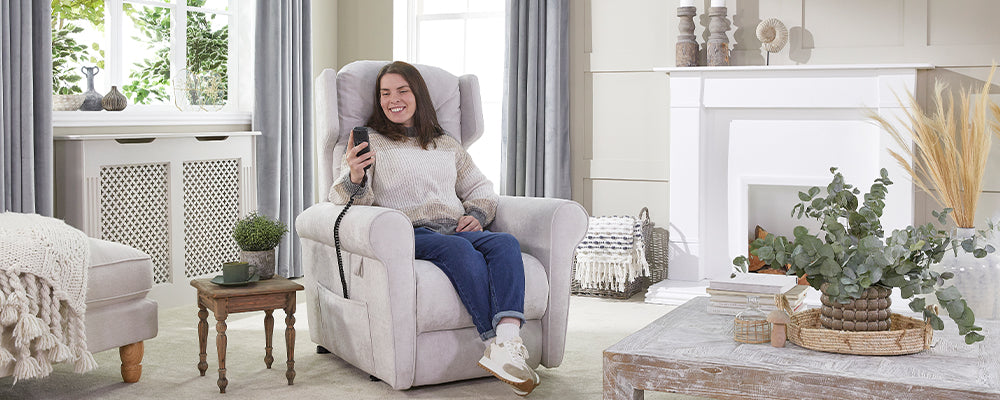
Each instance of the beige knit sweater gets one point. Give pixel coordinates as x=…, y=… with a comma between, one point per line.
x=433, y=187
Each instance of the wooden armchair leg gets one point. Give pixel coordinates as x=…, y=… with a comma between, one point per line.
x=131, y=355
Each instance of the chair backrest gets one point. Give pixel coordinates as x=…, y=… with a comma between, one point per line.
x=344, y=100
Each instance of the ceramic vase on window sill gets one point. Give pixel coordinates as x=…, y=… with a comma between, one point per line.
x=978, y=279
x=114, y=100
x=92, y=101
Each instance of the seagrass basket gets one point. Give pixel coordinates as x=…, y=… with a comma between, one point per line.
x=905, y=336
x=655, y=241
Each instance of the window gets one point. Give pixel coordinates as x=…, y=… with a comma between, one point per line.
x=462, y=37
x=161, y=54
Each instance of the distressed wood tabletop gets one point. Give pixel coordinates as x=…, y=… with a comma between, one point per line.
x=690, y=351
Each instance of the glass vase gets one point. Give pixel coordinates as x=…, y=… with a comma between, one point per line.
x=978, y=279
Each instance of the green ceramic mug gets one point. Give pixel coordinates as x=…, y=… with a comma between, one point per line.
x=236, y=272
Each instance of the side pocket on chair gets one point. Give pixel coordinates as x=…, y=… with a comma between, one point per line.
x=349, y=334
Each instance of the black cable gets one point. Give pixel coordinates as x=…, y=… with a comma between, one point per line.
x=336, y=233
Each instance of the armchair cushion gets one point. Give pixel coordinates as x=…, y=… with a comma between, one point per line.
x=439, y=308
x=117, y=273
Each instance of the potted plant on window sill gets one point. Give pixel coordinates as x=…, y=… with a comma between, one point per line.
x=851, y=259
x=257, y=236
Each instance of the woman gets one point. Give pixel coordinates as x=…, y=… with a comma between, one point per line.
x=430, y=177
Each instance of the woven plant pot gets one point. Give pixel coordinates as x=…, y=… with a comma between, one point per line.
x=869, y=313
x=263, y=260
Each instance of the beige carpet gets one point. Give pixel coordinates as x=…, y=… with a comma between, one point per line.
x=170, y=364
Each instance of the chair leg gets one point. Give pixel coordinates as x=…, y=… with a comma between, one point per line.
x=131, y=355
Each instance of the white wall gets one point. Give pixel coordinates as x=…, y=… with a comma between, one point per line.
x=620, y=118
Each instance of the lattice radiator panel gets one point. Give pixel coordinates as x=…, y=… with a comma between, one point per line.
x=211, y=208
x=135, y=211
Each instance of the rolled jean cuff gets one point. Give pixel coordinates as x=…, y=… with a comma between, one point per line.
x=503, y=314
x=490, y=334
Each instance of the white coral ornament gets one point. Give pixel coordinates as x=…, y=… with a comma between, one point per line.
x=772, y=34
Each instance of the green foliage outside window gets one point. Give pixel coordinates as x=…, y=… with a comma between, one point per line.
x=150, y=79
x=207, y=52
x=67, y=53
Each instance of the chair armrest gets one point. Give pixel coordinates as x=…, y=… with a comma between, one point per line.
x=365, y=230
x=549, y=230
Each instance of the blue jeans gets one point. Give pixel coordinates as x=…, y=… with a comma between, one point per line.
x=484, y=267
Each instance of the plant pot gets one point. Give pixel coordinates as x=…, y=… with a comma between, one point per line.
x=869, y=313
x=263, y=260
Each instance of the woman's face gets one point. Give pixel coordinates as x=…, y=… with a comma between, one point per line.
x=398, y=102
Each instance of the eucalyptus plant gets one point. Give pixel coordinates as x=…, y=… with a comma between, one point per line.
x=257, y=232
x=851, y=253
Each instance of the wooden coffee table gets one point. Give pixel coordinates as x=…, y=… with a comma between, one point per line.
x=692, y=352
x=265, y=295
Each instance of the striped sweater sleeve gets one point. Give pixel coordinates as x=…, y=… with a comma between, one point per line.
x=343, y=188
x=474, y=189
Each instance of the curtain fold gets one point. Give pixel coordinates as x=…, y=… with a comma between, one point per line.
x=536, y=145
x=283, y=115
x=26, y=107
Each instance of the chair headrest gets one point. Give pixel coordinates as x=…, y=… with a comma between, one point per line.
x=356, y=91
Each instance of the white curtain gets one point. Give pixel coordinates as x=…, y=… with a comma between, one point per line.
x=283, y=115
x=26, y=106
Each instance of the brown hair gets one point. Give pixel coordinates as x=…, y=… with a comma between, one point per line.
x=424, y=119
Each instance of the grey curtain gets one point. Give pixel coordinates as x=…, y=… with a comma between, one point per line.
x=536, y=146
x=283, y=115
x=26, y=106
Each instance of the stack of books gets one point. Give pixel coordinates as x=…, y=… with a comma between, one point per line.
x=729, y=296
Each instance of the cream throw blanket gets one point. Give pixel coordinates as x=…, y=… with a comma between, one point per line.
x=43, y=287
x=612, y=255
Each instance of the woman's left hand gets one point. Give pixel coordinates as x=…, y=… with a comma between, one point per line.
x=468, y=223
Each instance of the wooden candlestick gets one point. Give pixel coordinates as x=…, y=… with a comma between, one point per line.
x=687, y=47
x=718, y=42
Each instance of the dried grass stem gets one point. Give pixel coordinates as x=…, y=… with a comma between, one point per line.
x=950, y=146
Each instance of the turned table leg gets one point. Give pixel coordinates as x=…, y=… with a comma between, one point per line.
x=131, y=356
x=290, y=337
x=202, y=339
x=268, y=332
x=220, y=344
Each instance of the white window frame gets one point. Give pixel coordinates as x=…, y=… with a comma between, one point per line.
x=239, y=104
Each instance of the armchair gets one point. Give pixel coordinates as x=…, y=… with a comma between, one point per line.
x=404, y=322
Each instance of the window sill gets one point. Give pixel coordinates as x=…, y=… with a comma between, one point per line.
x=147, y=118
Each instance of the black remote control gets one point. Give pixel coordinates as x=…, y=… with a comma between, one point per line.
x=360, y=136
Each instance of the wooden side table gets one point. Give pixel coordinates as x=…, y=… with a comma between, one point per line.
x=266, y=295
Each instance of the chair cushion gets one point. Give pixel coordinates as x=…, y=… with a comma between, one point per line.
x=117, y=273
x=439, y=308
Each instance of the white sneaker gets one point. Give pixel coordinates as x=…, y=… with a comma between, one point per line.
x=535, y=380
x=506, y=361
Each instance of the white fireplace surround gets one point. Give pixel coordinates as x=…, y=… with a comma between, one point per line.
x=732, y=128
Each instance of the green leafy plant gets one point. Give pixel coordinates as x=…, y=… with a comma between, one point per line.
x=67, y=52
x=852, y=253
x=207, y=52
x=256, y=232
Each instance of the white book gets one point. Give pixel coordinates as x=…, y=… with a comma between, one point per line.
x=756, y=283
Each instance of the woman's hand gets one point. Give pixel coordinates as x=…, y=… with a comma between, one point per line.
x=358, y=163
x=468, y=223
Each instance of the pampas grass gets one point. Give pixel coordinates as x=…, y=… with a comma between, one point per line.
x=950, y=146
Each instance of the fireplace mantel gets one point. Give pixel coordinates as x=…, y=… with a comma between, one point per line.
x=735, y=127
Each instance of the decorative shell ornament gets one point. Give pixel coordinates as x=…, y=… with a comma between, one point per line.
x=773, y=34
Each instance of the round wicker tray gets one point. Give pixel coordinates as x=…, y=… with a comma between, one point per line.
x=905, y=336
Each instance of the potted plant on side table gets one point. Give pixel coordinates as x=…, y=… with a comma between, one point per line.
x=856, y=266
x=257, y=236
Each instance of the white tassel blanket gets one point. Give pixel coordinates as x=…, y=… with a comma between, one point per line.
x=612, y=255
x=43, y=288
